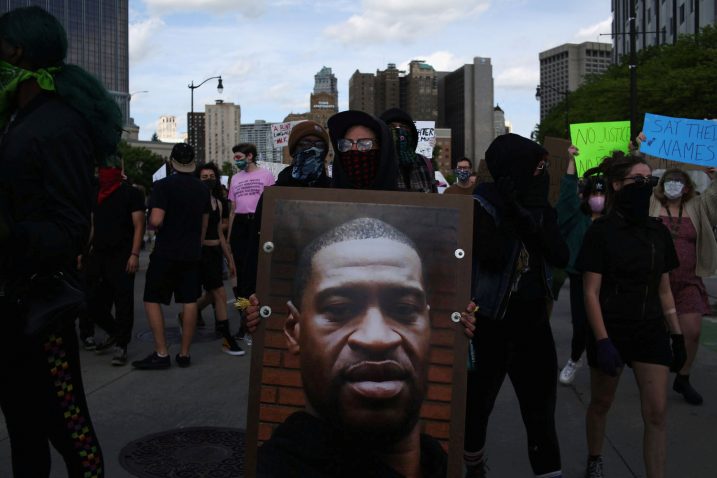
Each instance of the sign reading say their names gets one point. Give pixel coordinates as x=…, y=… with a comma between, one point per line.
x=680, y=139
x=598, y=140
x=426, y=138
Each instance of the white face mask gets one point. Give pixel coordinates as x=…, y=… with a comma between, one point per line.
x=674, y=189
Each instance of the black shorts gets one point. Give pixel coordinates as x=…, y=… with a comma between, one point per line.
x=212, y=267
x=166, y=277
x=646, y=341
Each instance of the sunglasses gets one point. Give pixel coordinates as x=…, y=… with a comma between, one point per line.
x=363, y=144
x=306, y=144
x=643, y=180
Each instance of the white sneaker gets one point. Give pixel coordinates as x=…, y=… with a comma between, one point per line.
x=567, y=374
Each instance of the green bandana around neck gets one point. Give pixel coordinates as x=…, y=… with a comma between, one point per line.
x=10, y=78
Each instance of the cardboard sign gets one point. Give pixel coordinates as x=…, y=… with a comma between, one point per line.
x=598, y=140
x=280, y=133
x=161, y=173
x=680, y=139
x=426, y=138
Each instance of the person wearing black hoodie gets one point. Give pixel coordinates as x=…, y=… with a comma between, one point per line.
x=415, y=171
x=516, y=241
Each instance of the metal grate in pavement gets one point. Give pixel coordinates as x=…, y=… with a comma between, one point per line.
x=187, y=453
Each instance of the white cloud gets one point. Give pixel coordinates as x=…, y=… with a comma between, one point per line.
x=249, y=8
x=592, y=32
x=518, y=78
x=402, y=20
x=140, y=39
x=439, y=60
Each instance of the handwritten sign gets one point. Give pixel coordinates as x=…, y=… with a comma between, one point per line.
x=280, y=133
x=426, y=138
x=161, y=173
x=679, y=139
x=598, y=140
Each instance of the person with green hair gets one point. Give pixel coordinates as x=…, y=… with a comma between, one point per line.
x=57, y=123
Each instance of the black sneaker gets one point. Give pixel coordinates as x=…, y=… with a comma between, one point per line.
x=152, y=362
x=88, y=343
x=183, y=361
x=231, y=347
x=594, y=469
x=682, y=385
x=120, y=356
x=106, y=345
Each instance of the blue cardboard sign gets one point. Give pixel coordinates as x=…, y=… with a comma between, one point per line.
x=680, y=139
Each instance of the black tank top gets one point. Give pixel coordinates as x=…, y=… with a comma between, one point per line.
x=213, y=223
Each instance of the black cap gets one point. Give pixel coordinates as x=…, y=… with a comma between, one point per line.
x=183, y=158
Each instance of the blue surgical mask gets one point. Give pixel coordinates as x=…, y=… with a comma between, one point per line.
x=308, y=164
x=463, y=175
x=241, y=164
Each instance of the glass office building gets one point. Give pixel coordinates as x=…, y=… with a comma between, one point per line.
x=98, y=39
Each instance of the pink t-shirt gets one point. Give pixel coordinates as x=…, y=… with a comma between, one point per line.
x=245, y=189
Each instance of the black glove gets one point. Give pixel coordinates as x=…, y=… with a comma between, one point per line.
x=608, y=358
x=679, y=352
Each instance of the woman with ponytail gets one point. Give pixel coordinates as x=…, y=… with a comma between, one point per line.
x=56, y=123
x=690, y=218
x=626, y=258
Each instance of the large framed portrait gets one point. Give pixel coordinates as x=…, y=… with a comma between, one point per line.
x=359, y=365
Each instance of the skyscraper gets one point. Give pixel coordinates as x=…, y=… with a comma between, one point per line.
x=223, y=122
x=259, y=134
x=658, y=22
x=325, y=98
x=563, y=69
x=98, y=39
x=361, y=92
x=465, y=105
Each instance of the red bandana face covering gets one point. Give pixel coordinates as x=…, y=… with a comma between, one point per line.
x=110, y=180
x=361, y=167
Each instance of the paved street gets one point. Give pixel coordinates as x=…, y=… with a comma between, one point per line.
x=127, y=404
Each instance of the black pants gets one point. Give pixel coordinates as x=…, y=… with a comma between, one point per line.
x=108, y=284
x=242, y=229
x=579, y=317
x=43, y=400
x=522, y=347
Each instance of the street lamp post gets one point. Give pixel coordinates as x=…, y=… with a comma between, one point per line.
x=192, y=87
x=565, y=95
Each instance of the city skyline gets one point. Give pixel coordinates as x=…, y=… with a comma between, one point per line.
x=269, y=51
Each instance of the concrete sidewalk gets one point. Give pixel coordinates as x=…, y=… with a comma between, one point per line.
x=128, y=404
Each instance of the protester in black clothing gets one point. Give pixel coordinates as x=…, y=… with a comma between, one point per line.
x=179, y=208
x=214, y=251
x=113, y=259
x=516, y=242
x=415, y=172
x=362, y=336
x=57, y=121
x=626, y=257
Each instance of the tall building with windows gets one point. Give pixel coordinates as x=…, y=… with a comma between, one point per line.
x=564, y=68
x=325, y=97
x=658, y=21
x=98, y=39
x=361, y=92
x=465, y=105
x=222, y=127
x=259, y=134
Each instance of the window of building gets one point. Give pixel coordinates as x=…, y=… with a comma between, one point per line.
x=649, y=16
x=682, y=14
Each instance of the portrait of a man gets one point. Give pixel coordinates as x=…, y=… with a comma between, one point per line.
x=369, y=354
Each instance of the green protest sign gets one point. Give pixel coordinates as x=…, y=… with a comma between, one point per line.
x=597, y=140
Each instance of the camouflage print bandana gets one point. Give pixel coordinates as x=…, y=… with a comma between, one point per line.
x=10, y=78
x=361, y=167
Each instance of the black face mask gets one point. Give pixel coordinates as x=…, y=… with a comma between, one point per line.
x=210, y=183
x=533, y=191
x=633, y=201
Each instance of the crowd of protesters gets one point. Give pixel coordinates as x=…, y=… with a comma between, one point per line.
x=635, y=250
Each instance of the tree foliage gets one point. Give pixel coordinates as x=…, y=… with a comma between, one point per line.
x=139, y=164
x=672, y=80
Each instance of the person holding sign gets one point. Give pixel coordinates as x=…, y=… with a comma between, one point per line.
x=690, y=218
x=626, y=258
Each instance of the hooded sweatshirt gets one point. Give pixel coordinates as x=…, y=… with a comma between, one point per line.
x=387, y=175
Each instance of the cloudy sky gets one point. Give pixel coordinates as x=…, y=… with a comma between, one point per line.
x=268, y=51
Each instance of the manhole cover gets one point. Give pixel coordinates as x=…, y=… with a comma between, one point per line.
x=173, y=336
x=187, y=453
